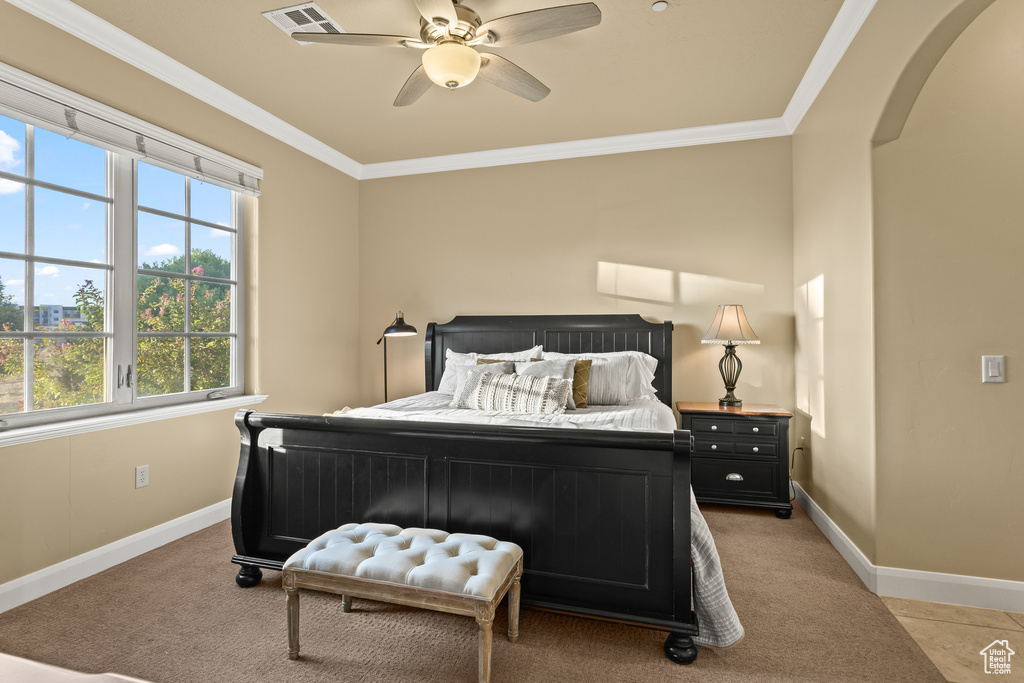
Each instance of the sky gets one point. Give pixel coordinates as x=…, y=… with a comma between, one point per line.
x=72, y=227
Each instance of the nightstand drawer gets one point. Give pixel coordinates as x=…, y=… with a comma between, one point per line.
x=705, y=444
x=757, y=428
x=731, y=479
x=714, y=426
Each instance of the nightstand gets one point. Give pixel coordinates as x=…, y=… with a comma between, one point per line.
x=740, y=454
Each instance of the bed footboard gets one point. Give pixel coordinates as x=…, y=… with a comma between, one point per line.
x=603, y=517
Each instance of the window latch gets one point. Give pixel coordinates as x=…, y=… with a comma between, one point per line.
x=129, y=375
x=120, y=377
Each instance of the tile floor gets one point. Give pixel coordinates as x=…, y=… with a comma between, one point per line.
x=953, y=636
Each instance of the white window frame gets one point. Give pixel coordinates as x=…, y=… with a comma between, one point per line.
x=26, y=98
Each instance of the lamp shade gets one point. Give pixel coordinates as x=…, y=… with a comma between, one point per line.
x=399, y=328
x=452, y=65
x=730, y=327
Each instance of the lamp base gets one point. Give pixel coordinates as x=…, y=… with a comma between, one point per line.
x=730, y=367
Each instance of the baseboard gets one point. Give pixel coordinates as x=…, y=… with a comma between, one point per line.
x=37, y=584
x=954, y=589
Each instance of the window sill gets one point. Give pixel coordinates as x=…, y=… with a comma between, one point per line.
x=54, y=430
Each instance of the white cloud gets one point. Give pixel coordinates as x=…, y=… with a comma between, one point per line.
x=86, y=205
x=15, y=282
x=95, y=260
x=8, y=152
x=219, y=233
x=9, y=186
x=52, y=271
x=164, y=250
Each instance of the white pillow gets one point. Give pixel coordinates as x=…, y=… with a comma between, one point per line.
x=561, y=368
x=462, y=374
x=449, y=379
x=516, y=393
x=616, y=377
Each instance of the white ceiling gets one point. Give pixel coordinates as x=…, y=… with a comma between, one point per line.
x=700, y=71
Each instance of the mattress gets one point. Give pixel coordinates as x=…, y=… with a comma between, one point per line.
x=432, y=406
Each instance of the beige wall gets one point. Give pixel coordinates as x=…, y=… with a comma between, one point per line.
x=679, y=231
x=948, y=249
x=905, y=466
x=62, y=497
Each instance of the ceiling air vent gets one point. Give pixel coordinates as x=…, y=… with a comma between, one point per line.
x=305, y=18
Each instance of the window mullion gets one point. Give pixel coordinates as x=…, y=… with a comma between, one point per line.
x=30, y=272
x=238, y=202
x=187, y=345
x=122, y=280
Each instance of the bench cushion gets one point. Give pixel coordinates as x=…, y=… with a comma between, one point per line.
x=466, y=564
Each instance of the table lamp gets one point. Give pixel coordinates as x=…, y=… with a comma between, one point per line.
x=730, y=327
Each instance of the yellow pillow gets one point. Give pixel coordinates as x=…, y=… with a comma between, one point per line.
x=580, y=383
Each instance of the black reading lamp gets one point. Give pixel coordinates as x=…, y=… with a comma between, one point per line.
x=730, y=327
x=399, y=328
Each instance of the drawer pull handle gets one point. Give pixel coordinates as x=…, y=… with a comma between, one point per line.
x=714, y=428
x=734, y=477
x=755, y=449
x=714, y=447
x=756, y=430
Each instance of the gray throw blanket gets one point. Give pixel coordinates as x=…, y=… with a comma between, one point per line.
x=716, y=617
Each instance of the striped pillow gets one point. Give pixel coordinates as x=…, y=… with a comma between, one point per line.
x=519, y=393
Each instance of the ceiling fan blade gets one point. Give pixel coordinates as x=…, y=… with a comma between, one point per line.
x=438, y=12
x=540, y=24
x=417, y=84
x=507, y=76
x=363, y=39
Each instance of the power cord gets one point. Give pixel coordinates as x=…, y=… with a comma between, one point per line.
x=792, y=463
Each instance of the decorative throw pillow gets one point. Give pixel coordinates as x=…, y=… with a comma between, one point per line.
x=471, y=381
x=498, y=367
x=580, y=382
x=560, y=368
x=454, y=358
x=518, y=393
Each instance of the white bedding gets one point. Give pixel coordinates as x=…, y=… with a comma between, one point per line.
x=433, y=407
x=719, y=625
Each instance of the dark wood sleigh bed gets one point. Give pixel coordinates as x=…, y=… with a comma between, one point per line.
x=603, y=516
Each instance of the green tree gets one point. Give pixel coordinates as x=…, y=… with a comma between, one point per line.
x=70, y=372
x=10, y=313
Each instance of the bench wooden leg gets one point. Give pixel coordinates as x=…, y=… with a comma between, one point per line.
x=484, y=619
x=293, y=621
x=513, y=605
x=346, y=603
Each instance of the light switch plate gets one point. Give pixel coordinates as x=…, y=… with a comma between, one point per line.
x=993, y=369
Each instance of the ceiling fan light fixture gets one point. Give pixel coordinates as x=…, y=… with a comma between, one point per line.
x=451, y=65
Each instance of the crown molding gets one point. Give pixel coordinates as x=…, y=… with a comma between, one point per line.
x=844, y=29
x=619, y=144
x=81, y=23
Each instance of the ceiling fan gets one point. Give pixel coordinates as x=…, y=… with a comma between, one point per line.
x=449, y=32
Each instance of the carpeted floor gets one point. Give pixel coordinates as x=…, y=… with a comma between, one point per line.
x=176, y=615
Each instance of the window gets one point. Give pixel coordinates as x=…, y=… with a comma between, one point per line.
x=119, y=267
x=185, y=237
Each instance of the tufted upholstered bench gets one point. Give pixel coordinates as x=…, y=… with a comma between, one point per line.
x=458, y=573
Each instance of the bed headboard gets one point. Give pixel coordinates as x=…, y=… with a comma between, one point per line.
x=562, y=333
